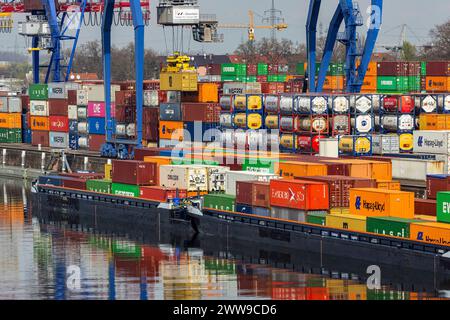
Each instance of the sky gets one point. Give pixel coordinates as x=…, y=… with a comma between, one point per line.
x=419, y=15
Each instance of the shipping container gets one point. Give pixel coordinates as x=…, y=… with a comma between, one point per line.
x=95, y=142
x=74, y=183
x=59, y=140
x=161, y=194
x=443, y=207
x=316, y=218
x=134, y=172
x=232, y=177
x=38, y=92
x=223, y=202
x=290, y=214
x=58, y=107
x=292, y=169
x=10, y=121
x=96, y=109
x=40, y=123
x=437, y=183
x=97, y=185
x=346, y=221
x=127, y=190
x=379, y=202
x=415, y=169
x=391, y=226
x=425, y=207
x=59, y=123
x=299, y=194
x=97, y=126
x=172, y=130
x=39, y=108
x=431, y=232
x=388, y=185
x=181, y=81
x=40, y=138
x=192, y=178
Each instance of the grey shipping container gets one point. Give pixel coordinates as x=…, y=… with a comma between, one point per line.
x=288, y=214
x=14, y=104
x=170, y=111
x=59, y=140
x=57, y=90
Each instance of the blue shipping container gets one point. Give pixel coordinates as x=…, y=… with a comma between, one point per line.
x=96, y=126
x=264, y=212
x=201, y=131
x=50, y=180
x=26, y=136
x=73, y=141
x=170, y=111
x=243, y=208
x=73, y=126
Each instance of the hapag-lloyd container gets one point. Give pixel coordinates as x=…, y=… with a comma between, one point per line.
x=232, y=177
x=187, y=177
x=379, y=202
x=415, y=169
x=299, y=194
x=96, y=109
x=134, y=172
x=431, y=232
x=436, y=142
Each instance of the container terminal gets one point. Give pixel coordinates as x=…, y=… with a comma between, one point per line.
x=321, y=164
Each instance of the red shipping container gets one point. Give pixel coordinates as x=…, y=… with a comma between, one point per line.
x=436, y=183
x=58, y=107
x=244, y=192
x=140, y=153
x=388, y=68
x=150, y=128
x=151, y=85
x=214, y=69
x=317, y=293
x=414, y=68
x=74, y=183
x=289, y=293
x=59, y=123
x=125, y=98
x=299, y=194
x=438, y=68
x=25, y=100
x=261, y=78
x=425, y=207
x=72, y=97
x=252, y=69
x=134, y=172
x=40, y=137
x=205, y=112
x=96, y=141
x=161, y=194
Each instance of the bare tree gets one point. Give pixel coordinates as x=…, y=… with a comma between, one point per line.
x=440, y=43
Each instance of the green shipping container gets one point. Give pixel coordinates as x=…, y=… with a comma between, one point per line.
x=220, y=266
x=128, y=190
x=263, y=69
x=282, y=78
x=386, y=84
x=38, y=91
x=414, y=83
x=443, y=207
x=126, y=248
x=272, y=78
x=241, y=69
x=337, y=69
x=100, y=242
x=387, y=295
x=300, y=70
x=264, y=165
x=220, y=202
x=10, y=135
x=103, y=186
x=391, y=226
x=250, y=79
x=316, y=218
x=228, y=69
x=423, y=68
x=226, y=78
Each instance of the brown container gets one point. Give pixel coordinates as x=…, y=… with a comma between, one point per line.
x=40, y=137
x=74, y=183
x=244, y=192
x=437, y=183
x=126, y=98
x=72, y=97
x=150, y=128
x=205, y=112
x=134, y=172
x=25, y=100
x=58, y=107
x=151, y=84
x=388, y=68
x=96, y=141
x=34, y=5
x=125, y=114
x=214, y=69
x=425, y=207
x=438, y=68
x=140, y=153
x=261, y=194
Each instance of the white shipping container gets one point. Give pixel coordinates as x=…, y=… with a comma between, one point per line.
x=385, y=144
x=38, y=108
x=14, y=105
x=82, y=97
x=217, y=178
x=329, y=147
x=96, y=92
x=415, y=169
x=186, y=177
x=435, y=142
x=57, y=90
x=234, y=176
x=151, y=98
x=73, y=112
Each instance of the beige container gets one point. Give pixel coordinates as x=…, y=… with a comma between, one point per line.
x=186, y=177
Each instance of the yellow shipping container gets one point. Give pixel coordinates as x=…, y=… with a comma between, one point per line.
x=178, y=81
x=381, y=203
x=108, y=171
x=292, y=169
x=10, y=121
x=357, y=292
x=441, y=122
x=428, y=121
x=431, y=232
x=388, y=185
x=346, y=221
x=208, y=92
x=340, y=211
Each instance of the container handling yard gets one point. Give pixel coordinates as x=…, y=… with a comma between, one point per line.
x=254, y=175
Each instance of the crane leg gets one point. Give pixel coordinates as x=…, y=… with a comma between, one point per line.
x=311, y=33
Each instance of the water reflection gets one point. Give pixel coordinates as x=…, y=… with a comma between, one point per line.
x=35, y=258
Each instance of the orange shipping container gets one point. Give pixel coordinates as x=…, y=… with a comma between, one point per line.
x=381, y=203
x=431, y=232
x=172, y=130
x=10, y=121
x=369, y=84
x=358, y=168
x=334, y=83
x=371, y=68
x=428, y=121
x=158, y=159
x=381, y=170
x=293, y=169
x=299, y=194
x=208, y=92
x=40, y=123
x=388, y=185
x=437, y=84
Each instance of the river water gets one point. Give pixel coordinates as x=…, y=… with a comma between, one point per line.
x=53, y=260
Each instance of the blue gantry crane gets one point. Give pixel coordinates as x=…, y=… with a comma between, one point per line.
x=123, y=148
x=347, y=12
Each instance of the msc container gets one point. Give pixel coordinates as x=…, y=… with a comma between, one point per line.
x=205, y=112
x=299, y=194
x=134, y=172
x=161, y=194
x=232, y=177
x=435, y=142
x=395, y=227
x=59, y=123
x=415, y=169
x=40, y=137
x=292, y=169
x=425, y=207
x=443, y=207
x=223, y=202
x=97, y=126
x=437, y=183
x=431, y=232
x=59, y=140
x=170, y=112
x=187, y=177
x=385, y=144
x=127, y=190
x=97, y=185
x=346, y=222
x=379, y=202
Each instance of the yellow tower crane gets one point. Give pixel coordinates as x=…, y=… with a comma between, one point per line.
x=251, y=26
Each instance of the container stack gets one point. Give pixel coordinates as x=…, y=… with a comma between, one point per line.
x=58, y=115
x=10, y=119
x=39, y=115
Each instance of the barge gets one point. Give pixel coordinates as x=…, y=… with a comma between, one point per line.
x=226, y=226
